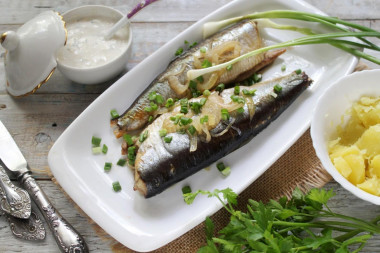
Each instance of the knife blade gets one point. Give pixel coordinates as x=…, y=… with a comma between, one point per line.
x=67, y=238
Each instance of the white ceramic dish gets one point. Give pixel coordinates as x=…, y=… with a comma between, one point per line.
x=147, y=224
x=98, y=74
x=331, y=106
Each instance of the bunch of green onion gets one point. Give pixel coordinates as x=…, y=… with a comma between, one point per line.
x=337, y=39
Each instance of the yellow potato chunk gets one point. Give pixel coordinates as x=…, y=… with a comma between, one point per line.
x=341, y=151
x=368, y=111
x=370, y=141
x=356, y=163
x=370, y=185
x=342, y=166
x=375, y=166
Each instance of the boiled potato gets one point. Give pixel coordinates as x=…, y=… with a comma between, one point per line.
x=370, y=185
x=356, y=152
x=375, y=166
x=370, y=141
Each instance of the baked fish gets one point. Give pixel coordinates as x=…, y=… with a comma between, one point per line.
x=176, y=145
x=224, y=46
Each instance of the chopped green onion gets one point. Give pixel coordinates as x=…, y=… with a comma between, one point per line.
x=283, y=68
x=193, y=45
x=152, y=96
x=143, y=136
x=132, y=155
x=185, y=121
x=114, y=114
x=184, y=110
x=179, y=51
x=131, y=150
x=96, y=150
x=186, y=42
x=257, y=77
x=169, y=102
x=107, y=166
x=184, y=103
x=234, y=98
x=206, y=93
x=159, y=99
x=203, y=101
x=148, y=109
x=116, y=186
x=191, y=129
x=277, y=88
x=220, y=166
x=128, y=139
x=121, y=162
x=203, y=50
x=225, y=114
x=200, y=79
x=196, y=107
x=104, y=149
x=220, y=87
x=249, y=92
x=150, y=119
x=193, y=84
x=153, y=106
x=204, y=119
x=186, y=189
x=229, y=67
x=226, y=171
x=298, y=71
x=240, y=110
x=237, y=90
x=168, y=139
x=206, y=64
x=163, y=132
x=96, y=141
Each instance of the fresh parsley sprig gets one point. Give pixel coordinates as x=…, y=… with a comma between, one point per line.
x=303, y=223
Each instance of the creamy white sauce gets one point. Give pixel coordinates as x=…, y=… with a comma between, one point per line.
x=86, y=46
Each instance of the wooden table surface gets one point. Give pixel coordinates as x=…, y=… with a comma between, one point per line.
x=37, y=121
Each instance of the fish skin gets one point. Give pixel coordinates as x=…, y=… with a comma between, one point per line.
x=245, y=32
x=160, y=165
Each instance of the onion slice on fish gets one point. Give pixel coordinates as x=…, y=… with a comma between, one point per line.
x=209, y=84
x=193, y=142
x=251, y=107
x=224, y=130
x=207, y=132
x=175, y=84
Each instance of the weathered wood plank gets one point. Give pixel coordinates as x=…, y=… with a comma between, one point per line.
x=18, y=12
x=36, y=122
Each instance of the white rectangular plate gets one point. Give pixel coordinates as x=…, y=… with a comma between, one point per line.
x=147, y=224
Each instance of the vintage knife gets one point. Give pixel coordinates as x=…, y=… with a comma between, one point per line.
x=67, y=238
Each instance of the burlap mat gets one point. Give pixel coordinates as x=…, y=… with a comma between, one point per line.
x=299, y=166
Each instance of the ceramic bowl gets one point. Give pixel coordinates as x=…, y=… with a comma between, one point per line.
x=98, y=74
x=331, y=107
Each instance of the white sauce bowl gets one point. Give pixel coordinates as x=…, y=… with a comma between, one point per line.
x=106, y=71
x=331, y=107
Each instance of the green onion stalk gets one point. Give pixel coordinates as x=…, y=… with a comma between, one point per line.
x=344, y=30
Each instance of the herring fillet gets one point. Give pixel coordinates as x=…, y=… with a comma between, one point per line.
x=245, y=33
x=159, y=165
